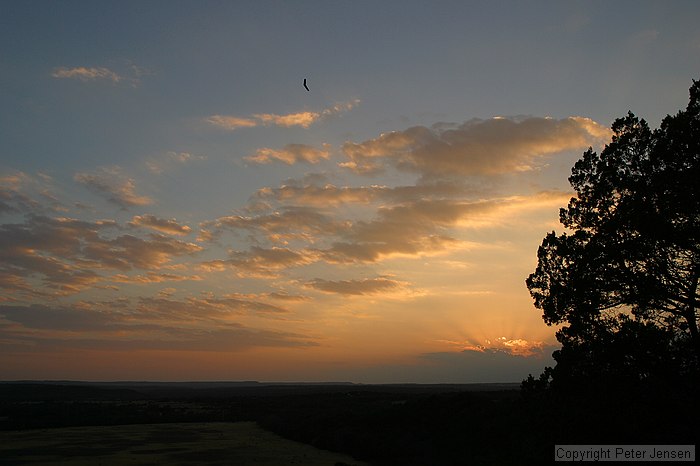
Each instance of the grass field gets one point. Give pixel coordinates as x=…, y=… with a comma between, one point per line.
x=212, y=443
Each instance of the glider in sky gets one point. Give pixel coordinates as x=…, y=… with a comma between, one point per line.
x=305, y=86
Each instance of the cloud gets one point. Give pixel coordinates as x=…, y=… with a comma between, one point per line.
x=340, y=107
x=410, y=221
x=365, y=286
x=166, y=161
x=303, y=119
x=351, y=251
x=131, y=73
x=512, y=346
x=111, y=184
x=411, y=229
x=231, y=123
x=203, y=308
x=14, y=201
x=43, y=317
x=169, y=226
x=291, y=154
x=262, y=262
x=320, y=196
x=67, y=254
x=86, y=74
x=476, y=147
x=313, y=195
x=126, y=252
x=37, y=248
x=425, y=227
x=150, y=324
x=152, y=277
x=279, y=226
x=21, y=193
x=287, y=297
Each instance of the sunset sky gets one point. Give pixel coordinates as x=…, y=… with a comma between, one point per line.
x=174, y=205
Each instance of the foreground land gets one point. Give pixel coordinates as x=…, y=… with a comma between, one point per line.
x=239, y=443
x=377, y=424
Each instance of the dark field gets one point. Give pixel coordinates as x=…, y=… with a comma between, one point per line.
x=233, y=423
x=239, y=443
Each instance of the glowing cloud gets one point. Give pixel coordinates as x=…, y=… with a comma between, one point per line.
x=291, y=154
x=163, y=225
x=513, y=346
x=356, y=287
x=231, y=123
x=261, y=262
x=111, y=184
x=303, y=119
x=171, y=159
x=279, y=226
x=67, y=255
x=477, y=147
x=86, y=74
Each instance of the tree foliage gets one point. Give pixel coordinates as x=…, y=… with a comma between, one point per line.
x=623, y=280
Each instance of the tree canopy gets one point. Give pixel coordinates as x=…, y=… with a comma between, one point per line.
x=623, y=279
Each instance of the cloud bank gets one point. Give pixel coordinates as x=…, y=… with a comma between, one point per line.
x=476, y=147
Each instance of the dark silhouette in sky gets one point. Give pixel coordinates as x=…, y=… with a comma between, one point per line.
x=305, y=86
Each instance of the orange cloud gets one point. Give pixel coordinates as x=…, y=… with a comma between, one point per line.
x=67, y=254
x=86, y=74
x=319, y=196
x=279, y=226
x=231, y=123
x=291, y=154
x=477, y=147
x=23, y=193
x=262, y=262
x=302, y=119
x=114, y=186
x=409, y=229
x=287, y=297
x=166, y=161
x=130, y=73
x=356, y=287
x=513, y=346
x=152, y=277
x=331, y=195
x=410, y=224
x=169, y=226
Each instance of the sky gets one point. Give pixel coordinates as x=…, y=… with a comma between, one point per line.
x=174, y=205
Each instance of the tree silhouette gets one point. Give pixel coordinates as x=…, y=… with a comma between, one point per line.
x=624, y=280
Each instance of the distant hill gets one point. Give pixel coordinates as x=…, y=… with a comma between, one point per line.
x=25, y=391
x=66, y=390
